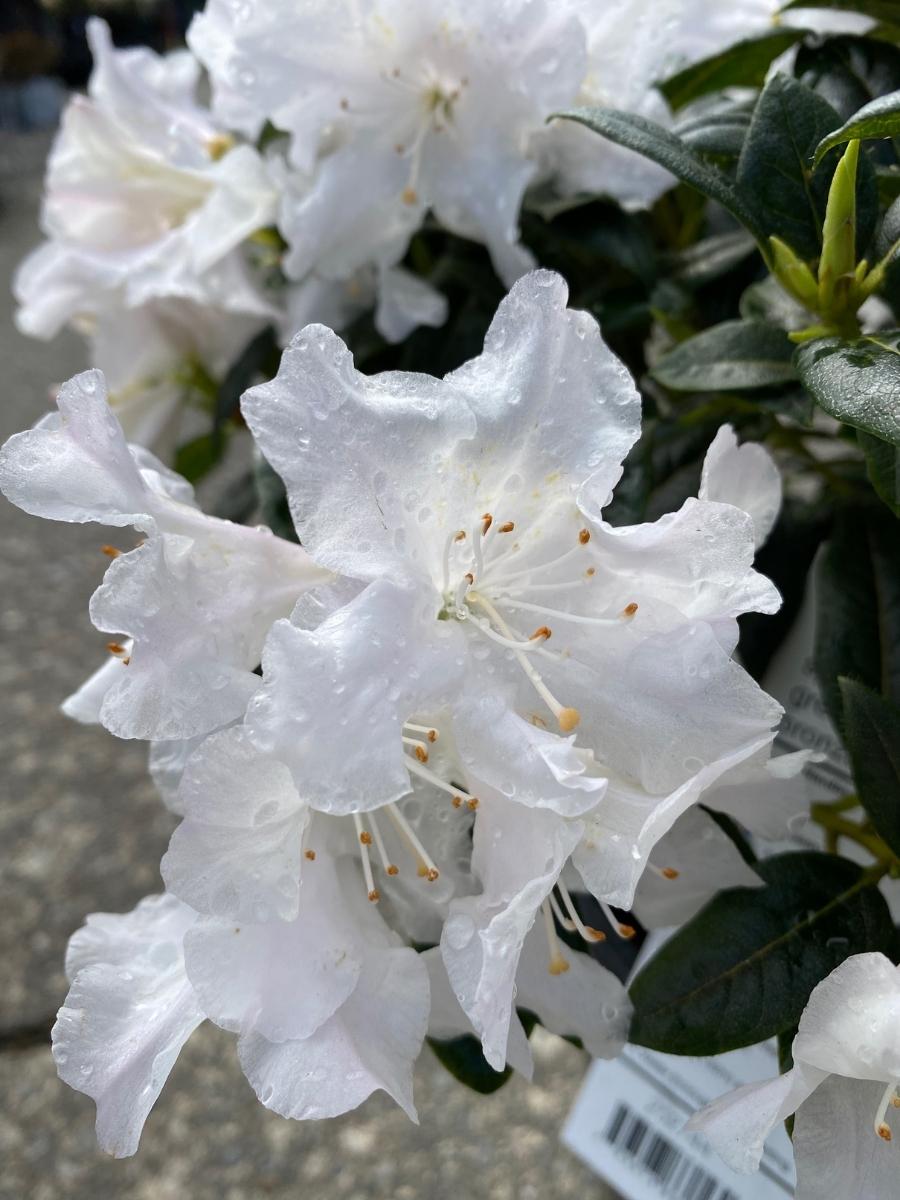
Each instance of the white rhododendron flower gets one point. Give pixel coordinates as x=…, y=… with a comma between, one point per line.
x=197, y=596
x=843, y=1087
x=396, y=95
x=146, y=196
x=581, y=672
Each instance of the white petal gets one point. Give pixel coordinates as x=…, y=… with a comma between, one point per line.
x=237, y=855
x=361, y=456
x=706, y=860
x=127, y=1015
x=738, y=1124
x=86, y=704
x=745, y=476
x=838, y=1155
x=166, y=762
x=371, y=1043
x=406, y=301
x=76, y=466
x=447, y=1020
x=622, y=832
x=585, y=1001
x=556, y=409
x=282, y=979
x=518, y=855
x=850, y=1023
x=334, y=699
x=532, y=766
x=765, y=794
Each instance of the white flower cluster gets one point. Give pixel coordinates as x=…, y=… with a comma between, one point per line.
x=473, y=697
x=336, y=127
x=462, y=699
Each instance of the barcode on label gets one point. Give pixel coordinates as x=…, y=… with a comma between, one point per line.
x=677, y=1175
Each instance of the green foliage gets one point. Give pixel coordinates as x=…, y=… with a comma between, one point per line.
x=872, y=734
x=741, y=971
x=463, y=1058
x=745, y=64
x=878, y=119
x=735, y=355
x=856, y=381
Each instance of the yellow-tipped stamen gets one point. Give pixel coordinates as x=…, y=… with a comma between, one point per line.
x=625, y=932
x=568, y=718
x=585, y=931
x=418, y=748
x=664, y=872
x=584, y=536
x=561, y=615
x=364, y=842
x=487, y=521
x=218, y=145
x=431, y=734
x=506, y=527
x=389, y=868
x=407, y=832
x=629, y=610
x=110, y=551
x=457, y=793
x=116, y=649
x=543, y=631
x=881, y=1126
x=310, y=854
x=557, y=965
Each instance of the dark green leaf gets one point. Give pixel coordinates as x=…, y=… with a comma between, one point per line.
x=665, y=148
x=858, y=607
x=716, y=126
x=856, y=381
x=878, y=119
x=744, y=64
x=195, y=458
x=879, y=10
x=883, y=467
x=732, y=356
x=742, y=970
x=889, y=233
x=258, y=359
x=712, y=256
x=464, y=1060
x=872, y=736
x=774, y=174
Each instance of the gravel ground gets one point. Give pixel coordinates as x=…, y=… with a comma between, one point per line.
x=81, y=830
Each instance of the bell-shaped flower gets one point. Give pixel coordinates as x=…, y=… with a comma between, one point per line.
x=145, y=195
x=387, y=110
x=843, y=1087
x=197, y=597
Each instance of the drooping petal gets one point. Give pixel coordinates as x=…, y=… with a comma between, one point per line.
x=838, y=1155
x=518, y=861
x=334, y=699
x=372, y=1042
x=447, y=1020
x=765, y=793
x=694, y=860
x=76, y=465
x=738, y=1124
x=237, y=854
x=585, y=1001
x=850, y=1022
x=86, y=704
x=128, y=1013
x=745, y=476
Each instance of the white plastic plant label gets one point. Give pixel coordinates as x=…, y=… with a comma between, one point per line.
x=627, y=1123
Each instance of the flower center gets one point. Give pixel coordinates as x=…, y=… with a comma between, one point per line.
x=482, y=587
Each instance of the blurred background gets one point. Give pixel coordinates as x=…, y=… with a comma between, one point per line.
x=81, y=829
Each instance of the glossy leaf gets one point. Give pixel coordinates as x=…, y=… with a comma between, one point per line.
x=742, y=970
x=858, y=607
x=883, y=467
x=744, y=64
x=872, y=737
x=879, y=119
x=856, y=381
x=463, y=1058
x=733, y=356
x=663, y=147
